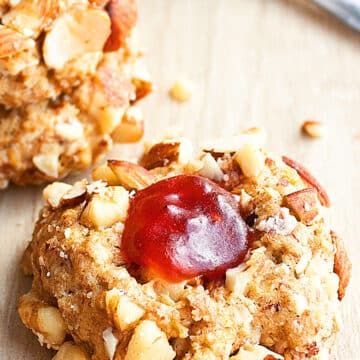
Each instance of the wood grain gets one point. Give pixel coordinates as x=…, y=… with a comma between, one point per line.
x=270, y=63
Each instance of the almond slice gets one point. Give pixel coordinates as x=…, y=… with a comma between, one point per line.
x=166, y=152
x=310, y=179
x=81, y=30
x=75, y=195
x=123, y=15
x=342, y=264
x=12, y=42
x=303, y=204
x=54, y=192
x=130, y=175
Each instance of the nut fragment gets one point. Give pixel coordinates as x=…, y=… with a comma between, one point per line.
x=75, y=33
x=251, y=160
x=255, y=352
x=149, y=342
x=310, y=179
x=70, y=351
x=181, y=90
x=106, y=209
x=106, y=97
x=313, y=129
x=130, y=175
x=237, y=279
x=211, y=168
x=342, y=264
x=162, y=154
x=47, y=164
x=123, y=15
x=303, y=204
x=131, y=127
x=104, y=173
x=122, y=310
x=110, y=342
x=141, y=80
x=75, y=195
x=253, y=136
x=71, y=130
x=44, y=320
x=31, y=17
x=54, y=192
x=12, y=42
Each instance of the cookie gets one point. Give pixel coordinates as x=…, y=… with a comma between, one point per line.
x=70, y=72
x=217, y=253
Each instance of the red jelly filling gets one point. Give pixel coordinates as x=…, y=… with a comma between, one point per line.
x=185, y=226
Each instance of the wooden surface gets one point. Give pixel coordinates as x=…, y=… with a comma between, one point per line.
x=270, y=63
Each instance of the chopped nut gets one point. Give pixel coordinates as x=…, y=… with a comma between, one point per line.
x=131, y=127
x=181, y=90
x=174, y=290
x=122, y=310
x=342, y=264
x=70, y=351
x=303, y=204
x=130, y=175
x=110, y=341
x=211, y=168
x=162, y=154
x=70, y=131
x=149, y=342
x=76, y=194
x=303, y=263
x=54, y=192
x=12, y=42
x=109, y=98
x=31, y=17
x=255, y=352
x=123, y=15
x=237, y=279
x=47, y=164
x=75, y=33
x=254, y=136
x=313, y=129
x=44, y=320
x=300, y=303
x=310, y=179
x=282, y=224
x=251, y=160
x=141, y=80
x=106, y=209
x=104, y=173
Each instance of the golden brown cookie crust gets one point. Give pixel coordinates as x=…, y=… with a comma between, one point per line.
x=281, y=303
x=62, y=106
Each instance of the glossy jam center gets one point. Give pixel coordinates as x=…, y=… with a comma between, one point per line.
x=185, y=226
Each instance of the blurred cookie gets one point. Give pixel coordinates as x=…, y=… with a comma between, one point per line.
x=69, y=72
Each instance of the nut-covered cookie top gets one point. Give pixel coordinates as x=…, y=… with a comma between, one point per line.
x=280, y=300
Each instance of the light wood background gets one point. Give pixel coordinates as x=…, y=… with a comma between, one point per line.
x=270, y=63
